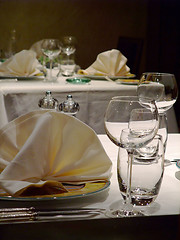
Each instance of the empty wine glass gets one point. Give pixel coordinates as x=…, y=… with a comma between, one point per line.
x=118, y=112
x=161, y=87
x=51, y=48
x=130, y=123
x=68, y=45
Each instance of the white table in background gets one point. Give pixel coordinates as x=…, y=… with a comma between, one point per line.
x=20, y=97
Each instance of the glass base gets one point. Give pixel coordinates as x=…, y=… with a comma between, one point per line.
x=52, y=79
x=119, y=209
x=124, y=213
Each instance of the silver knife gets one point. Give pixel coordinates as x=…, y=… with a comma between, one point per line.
x=33, y=214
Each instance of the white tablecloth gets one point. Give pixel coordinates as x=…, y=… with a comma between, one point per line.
x=167, y=202
x=19, y=97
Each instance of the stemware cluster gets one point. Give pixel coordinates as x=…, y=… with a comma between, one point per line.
x=132, y=123
x=51, y=48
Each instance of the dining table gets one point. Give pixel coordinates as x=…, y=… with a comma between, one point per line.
x=161, y=218
x=22, y=95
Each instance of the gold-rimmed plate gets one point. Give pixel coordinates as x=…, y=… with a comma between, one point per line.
x=74, y=191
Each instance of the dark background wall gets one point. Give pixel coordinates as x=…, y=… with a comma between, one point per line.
x=163, y=40
x=97, y=25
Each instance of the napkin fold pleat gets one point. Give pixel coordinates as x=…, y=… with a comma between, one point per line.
x=23, y=63
x=47, y=146
x=111, y=63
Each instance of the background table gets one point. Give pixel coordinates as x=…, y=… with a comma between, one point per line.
x=17, y=98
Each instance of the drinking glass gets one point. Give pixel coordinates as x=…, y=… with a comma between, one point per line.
x=67, y=65
x=51, y=48
x=161, y=87
x=147, y=172
x=130, y=123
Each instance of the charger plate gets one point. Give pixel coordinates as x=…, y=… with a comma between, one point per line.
x=128, y=81
x=75, y=191
x=102, y=77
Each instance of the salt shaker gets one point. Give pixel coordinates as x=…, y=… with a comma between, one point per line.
x=69, y=106
x=48, y=102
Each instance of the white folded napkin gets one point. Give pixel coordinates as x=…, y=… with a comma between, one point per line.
x=47, y=148
x=110, y=63
x=23, y=63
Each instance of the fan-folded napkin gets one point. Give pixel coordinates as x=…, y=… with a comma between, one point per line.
x=111, y=63
x=23, y=63
x=47, y=148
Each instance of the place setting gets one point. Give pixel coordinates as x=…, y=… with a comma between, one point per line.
x=33, y=173
x=35, y=64
x=72, y=163
x=110, y=66
x=21, y=67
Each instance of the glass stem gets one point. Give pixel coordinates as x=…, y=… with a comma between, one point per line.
x=129, y=179
x=163, y=124
x=50, y=72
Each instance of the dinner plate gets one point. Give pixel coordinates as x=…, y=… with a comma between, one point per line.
x=74, y=191
x=101, y=77
x=23, y=78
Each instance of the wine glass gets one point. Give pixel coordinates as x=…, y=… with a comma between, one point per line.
x=51, y=48
x=161, y=87
x=68, y=45
x=130, y=122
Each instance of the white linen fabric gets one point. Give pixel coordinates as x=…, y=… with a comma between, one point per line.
x=111, y=63
x=23, y=63
x=47, y=148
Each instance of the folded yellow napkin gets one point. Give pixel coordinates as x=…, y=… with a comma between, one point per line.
x=23, y=63
x=111, y=63
x=43, y=149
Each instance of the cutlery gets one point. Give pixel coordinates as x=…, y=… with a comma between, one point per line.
x=33, y=214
